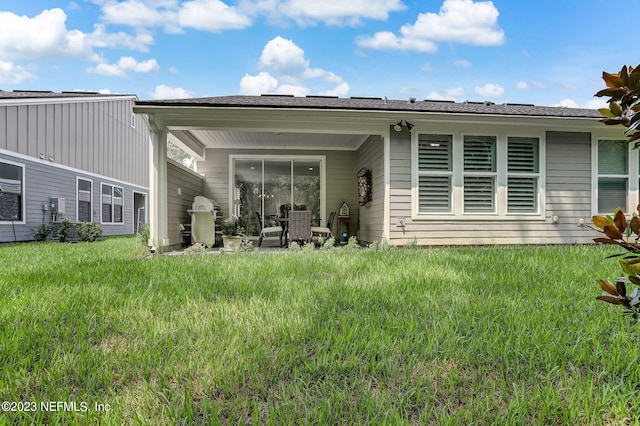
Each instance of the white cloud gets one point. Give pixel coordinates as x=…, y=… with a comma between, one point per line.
x=449, y=94
x=490, y=91
x=332, y=12
x=285, y=70
x=591, y=104
x=163, y=91
x=44, y=36
x=527, y=85
x=463, y=63
x=15, y=74
x=125, y=64
x=211, y=15
x=458, y=21
x=262, y=83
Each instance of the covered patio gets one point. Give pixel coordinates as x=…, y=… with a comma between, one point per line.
x=253, y=156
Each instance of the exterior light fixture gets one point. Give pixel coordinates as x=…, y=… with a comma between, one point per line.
x=398, y=126
x=409, y=125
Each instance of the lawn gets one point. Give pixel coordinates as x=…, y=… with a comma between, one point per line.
x=92, y=333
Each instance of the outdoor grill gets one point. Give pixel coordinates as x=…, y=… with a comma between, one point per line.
x=203, y=221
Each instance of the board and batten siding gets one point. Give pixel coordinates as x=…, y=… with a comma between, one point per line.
x=567, y=196
x=100, y=136
x=371, y=215
x=44, y=181
x=340, y=177
x=183, y=185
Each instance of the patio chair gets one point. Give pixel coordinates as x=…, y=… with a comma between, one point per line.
x=299, y=226
x=269, y=231
x=324, y=232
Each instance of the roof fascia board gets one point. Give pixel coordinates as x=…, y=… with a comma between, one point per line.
x=64, y=100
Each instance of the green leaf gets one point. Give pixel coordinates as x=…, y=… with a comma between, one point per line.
x=601, y=221
x=615, y=108
x=606, y=112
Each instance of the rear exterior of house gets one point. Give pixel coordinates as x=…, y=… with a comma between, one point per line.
x=439, y=173
x=81, y=156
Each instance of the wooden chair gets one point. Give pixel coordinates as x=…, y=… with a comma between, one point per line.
x=324, y=232
x=268, y=231
x=299, y=226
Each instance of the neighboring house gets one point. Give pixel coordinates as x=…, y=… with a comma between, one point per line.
x=81, y=156
x=442, y=173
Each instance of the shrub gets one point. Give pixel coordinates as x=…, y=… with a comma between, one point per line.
x=63, y=231
x=42, y=231
x=89, y=231
x=144, y=233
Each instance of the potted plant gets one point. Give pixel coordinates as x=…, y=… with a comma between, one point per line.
x=232, y=233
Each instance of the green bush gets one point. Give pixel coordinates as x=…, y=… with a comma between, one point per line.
x=89, y=231
x=42, y=231
x=63, y=231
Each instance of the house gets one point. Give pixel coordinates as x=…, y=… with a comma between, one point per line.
x=433, y=172
x=81, y=156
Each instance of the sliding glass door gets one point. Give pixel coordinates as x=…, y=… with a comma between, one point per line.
x=273, y=186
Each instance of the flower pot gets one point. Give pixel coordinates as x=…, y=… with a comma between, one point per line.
x=231, y=243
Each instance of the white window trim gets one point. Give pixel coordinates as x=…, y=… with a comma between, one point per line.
x=113, y=187
x=323, y=175
x=633, y=176
x=502, y=133
x=23, y=221
x=78, y=179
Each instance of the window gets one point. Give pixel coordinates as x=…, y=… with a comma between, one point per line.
x=11, y=192
x=84, y=200
x=523, y=175
x=435, y=171
x=112, y=204
x=613, y=175
x=471, y=175
x=480, y=174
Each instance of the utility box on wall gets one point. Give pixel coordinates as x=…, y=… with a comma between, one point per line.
x=57, y=206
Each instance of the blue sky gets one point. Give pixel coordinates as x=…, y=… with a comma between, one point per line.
x=519, y=51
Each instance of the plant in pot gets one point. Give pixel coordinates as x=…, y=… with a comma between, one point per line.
x=232, y=233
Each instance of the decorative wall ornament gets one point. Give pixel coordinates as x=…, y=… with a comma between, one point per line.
x=344, y=210
x=364, y=186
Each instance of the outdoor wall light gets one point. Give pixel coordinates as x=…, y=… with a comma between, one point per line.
x=398, y=126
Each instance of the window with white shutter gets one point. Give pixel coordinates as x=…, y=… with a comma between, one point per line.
x=613, y=175
x=523, y=174
x=435, y=171
x=480, y=174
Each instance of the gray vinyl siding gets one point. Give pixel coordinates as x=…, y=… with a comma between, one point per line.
x=43, y=181
x=371, y=223
x=191, y=185
x=99, y=136
x=567, y=181
x=340, y=177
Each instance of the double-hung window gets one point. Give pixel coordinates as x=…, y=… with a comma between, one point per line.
x=11, y=192
x=84, y=200
x=435, y=173
x=480, y=174
x=112, y=204
x=613, y=175
x=477, y=175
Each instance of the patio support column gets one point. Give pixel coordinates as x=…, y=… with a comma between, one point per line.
x=158, y=216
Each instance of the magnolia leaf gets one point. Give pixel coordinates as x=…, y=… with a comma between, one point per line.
x=612, y=232
x=620, y=221
x=635, y=280
x=614, y=93
x=612, y=299
x=615, y=109
x=612, y=80
x=601, y=221
x=606, y=112
x=622, y=289
x=608, y=287
x=605, y=241
x=635, y=225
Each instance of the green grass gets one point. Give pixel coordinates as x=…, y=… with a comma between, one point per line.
x=442, y=336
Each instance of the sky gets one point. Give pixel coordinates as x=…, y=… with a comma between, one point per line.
x=542, y=52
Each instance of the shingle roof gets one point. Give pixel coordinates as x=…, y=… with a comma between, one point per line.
x=376, y=104
x=40, y=94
